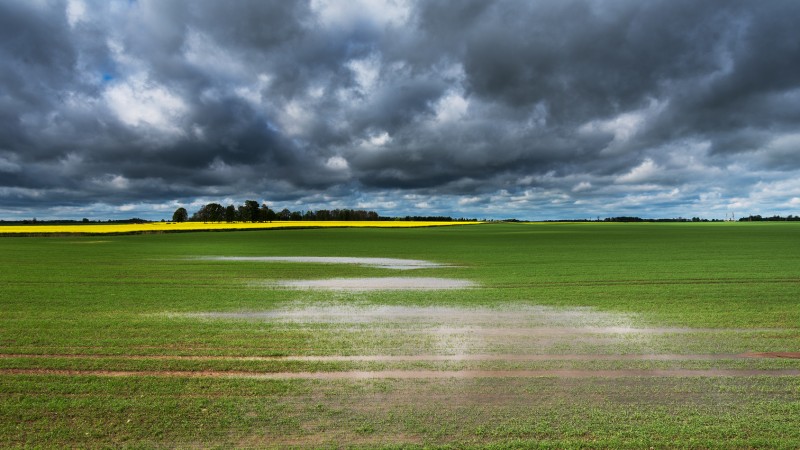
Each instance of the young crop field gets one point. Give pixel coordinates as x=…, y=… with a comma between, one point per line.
x=598, y=335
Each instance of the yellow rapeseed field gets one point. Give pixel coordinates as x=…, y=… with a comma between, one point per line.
x=156, y=227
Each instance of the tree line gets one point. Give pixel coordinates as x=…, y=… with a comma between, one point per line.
x=252, y=211
x=775, y=218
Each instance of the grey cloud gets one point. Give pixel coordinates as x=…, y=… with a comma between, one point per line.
x=547, y=108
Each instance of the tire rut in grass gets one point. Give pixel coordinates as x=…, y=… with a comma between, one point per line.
x=790, y=355
x=413, y=358
x=420, y=374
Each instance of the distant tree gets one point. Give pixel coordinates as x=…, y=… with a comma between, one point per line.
x=270, y=215
x=212, y=212
x=285, y=214
x=180, y=215
x=322, y=214
x=250, y=211
x=230, y=214
x=266, y=214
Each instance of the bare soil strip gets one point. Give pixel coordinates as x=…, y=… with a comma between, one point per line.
x=417, y=374
x=571, y=331
x=792, y=355
x=677, y=281
x=412, y=358
x=382, y=263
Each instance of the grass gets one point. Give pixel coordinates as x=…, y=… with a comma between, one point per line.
x=146, y=302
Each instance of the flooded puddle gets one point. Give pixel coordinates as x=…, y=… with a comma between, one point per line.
x=442, y=318
x=359, y=331
x=377, y=284
x=381, y=263
x=452, y=331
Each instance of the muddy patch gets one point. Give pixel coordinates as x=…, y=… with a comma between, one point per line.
x=381, y=263
x=790, y=355
x=377, y=284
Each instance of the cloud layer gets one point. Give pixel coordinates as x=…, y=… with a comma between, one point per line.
x=540, y=110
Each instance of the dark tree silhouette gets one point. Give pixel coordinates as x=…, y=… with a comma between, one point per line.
x=249, y=212
x=230, y=214
x=180, y=215
x=212, y=212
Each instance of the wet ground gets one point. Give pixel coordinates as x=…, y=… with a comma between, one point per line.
x=381, y=263
x=503, y=341
x=378, y=284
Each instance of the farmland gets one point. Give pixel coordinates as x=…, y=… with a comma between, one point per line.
x=549, y=335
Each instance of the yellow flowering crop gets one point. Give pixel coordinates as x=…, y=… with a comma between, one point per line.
x=156, y=227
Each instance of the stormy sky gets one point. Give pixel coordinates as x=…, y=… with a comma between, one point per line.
x=527, y=109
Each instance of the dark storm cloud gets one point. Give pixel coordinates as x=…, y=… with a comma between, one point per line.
x=537, y=109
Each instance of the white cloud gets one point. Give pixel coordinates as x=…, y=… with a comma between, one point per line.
x=112, y=181
x=779, y=150
x=295, y=118
x=346, y=14
x=138, y=102
x=76, y=11
x=19, y=192
x=641, y=173
x=253, y=92
x=373, y=142
x=378, y=203
x=769, y=197
x=380, y=140
x=467, y=201
x=624, y=126
x=8, y=166
x=337, y=163
x=647, y=200
x=451, y=107
x=366, y=72
x=203, y=52
x=582, y=186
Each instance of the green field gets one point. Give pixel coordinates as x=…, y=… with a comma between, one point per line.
x=575, y=335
